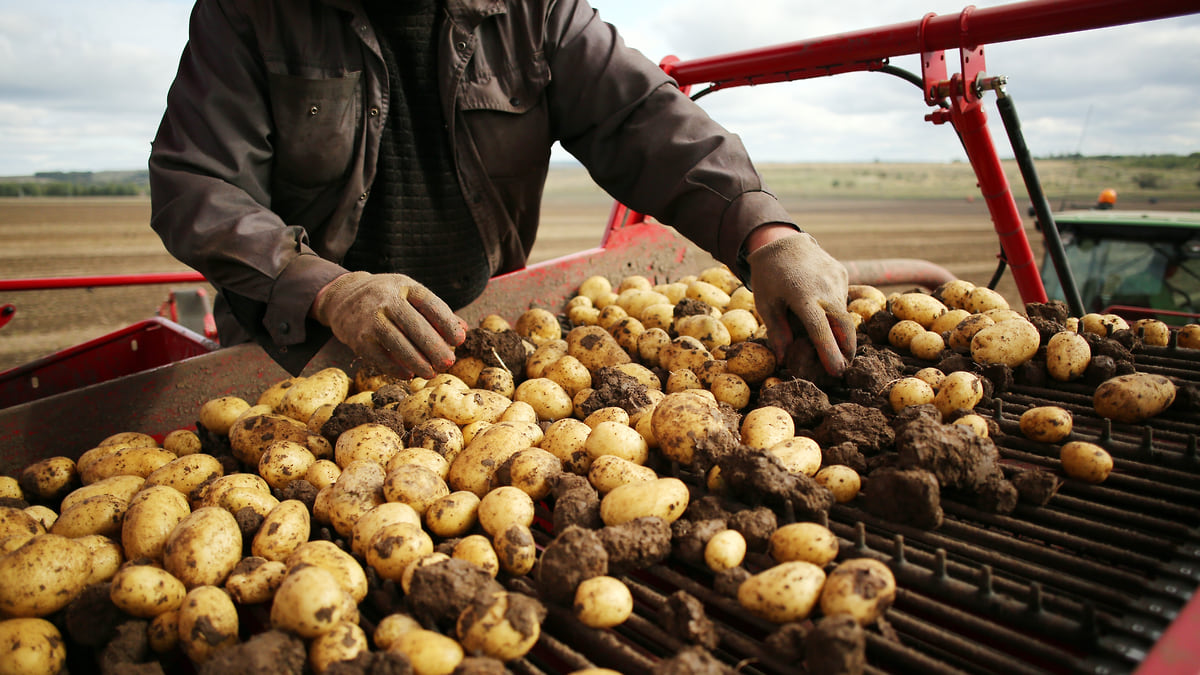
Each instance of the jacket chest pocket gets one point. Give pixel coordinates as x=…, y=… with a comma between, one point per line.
x=316, y=124
x=508, y=117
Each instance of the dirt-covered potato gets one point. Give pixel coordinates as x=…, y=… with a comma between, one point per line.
x=681, y=420
x=965, y=330
x=474, y=468
x=864, y=588
x=786, y=592
x=283, y=530
x=49, y=479
x=705, y=328
x=1010, y=343
x=283, y=462
x=516, y=550
x=666, y=498
x=1154, y=332
x=504, y=507
x=1047, y=424
x=610, y=471
x=218, y=414
x=617, y=439
x=603, y=602
x=843, y=481
x=255, y=580
x=146, y=591
x=1188, y=337
x=42, y=576
x=251, y=434
x=121, y=487
x=31, y=646
x=414, y=485
x=127, y=460
x=1067, y=356
x=903, y=332
x=395, y=546
x=101, y=514
x=309, y=602
x=595, y=347
x=549, y=399
x=799, y=454
x=343, y=643
x=345, y=568
x=909, y=391
x=960, y=390
x=974, y=423
x=502, y=625
x=1086, y=461
x=330, y=385
x=478, y=549
x=1133, y=397
x=204, y=547
x=429, y=651
x=918, y=307
x=153, y=514
x=358, y=489
x=1101, y=324
x=982, y=299
x=453, y=515
x=212, y=493
x=369, y=441
x=810, y=542
x=531, y=470
x=208, y=622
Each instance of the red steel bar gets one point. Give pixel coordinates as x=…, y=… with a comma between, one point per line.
x=47, y=283
x=970, y=28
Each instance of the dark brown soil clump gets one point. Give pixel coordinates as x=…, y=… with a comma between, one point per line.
x=575, y=555
x=847, y=454
x=908, y=496
x=497, y=349
x=756, y=526
x=866, y=428
x=439, y=592
x=803, y=400
x=636, y=544
x=837, y=645
x=613, y=388
x=951, y=452
x=576, y=503
x=684, y=618
x=273, y=652
x=480, y=665
x=349, y=415
x=759, y=477
x=691, y=536
x=1035, y=486
x=691, y=307
x=692, y=661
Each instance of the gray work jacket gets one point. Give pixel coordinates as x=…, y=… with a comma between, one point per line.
x=266, y=151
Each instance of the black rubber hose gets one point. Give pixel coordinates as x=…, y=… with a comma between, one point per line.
x=1054, y=246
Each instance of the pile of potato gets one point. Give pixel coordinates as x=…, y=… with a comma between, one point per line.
x=457, y=467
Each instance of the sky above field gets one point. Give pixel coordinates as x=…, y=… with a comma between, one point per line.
x=83, y=83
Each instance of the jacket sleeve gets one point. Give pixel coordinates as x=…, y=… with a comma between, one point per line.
x=647, y=143
x=210, y=176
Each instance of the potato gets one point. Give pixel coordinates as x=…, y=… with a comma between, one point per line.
x=532, y=470
x=218, y=414
x=927, y=345
x=31, y=646
x=1188, y=337
x=344, y=642
x=595, y=287
x=42, y=576
x=666, y=498
x=414, y=485
x=477, y=549
x=960, y=390
x=187, y=473
x=466, y=368
x=724, y=550
x=146, y=591
x=152, y=515
x=683, y=380
x=502, y=625
x=1101, y=324
x=371, y=521
x=359, y=488
x=392, y=627
x=406, y=578
x=1010, y=343
x=610, y=471
x=283, y=530
x=395, y=546
x=705, y=328
x=799, y=454
x=1067, y=356
x=683, y=353
x=786, y=592
x=908, y=391
x=681, y=420
x=917, y=307
x=204, y=547
x=964, y=332
x=257, y=501
x=620, y=440
x=464, y=406
x=211, y=494
x=751, y=361
x=981, y=299
x=731, y=390
x=255, y=580
x=504, y=507
x=515, y=550
x=208, y=621
x=1152, y=331
x=652, y=342
x=106, y=555
x=565, y=440
x=163, y=632
x=126, y=461
x=810, y=542
x=946, y=322
x=250, y=435
x=549, y=399
x=121, y=487
x=101, y=514
x=283, y=462
x=1086, y=461
x=50, y=479
x=16, y=522
x=544, y=355
x=429, y=652
x=309, y=602
x=843, y=481
x=1047, y=424
x=343, y=566
x=1133, y=397
x=595, y=347
x=370, y=441
x=603, y=602
x=864, y=588
x=421, y=457
x=954, y=293
x=322, y=473
x=498, y=380
x=330, y=385
x=441, y=436
x=474, y=468
x=902, y=333
x=453, y=515
x=974, y=423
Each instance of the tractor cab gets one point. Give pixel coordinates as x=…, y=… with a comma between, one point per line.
x=1137, y=264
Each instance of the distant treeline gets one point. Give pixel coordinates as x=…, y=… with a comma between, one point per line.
x=1191, y=161
x=64, y=189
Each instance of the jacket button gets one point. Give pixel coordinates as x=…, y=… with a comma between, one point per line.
x=461, y=46
x=314, y=110
x=374, y=112
x=284, y=327
x=514, y=101
x=362, y=197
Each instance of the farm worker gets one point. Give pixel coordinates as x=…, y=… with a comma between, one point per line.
x=1107, y=199
x=363, y=167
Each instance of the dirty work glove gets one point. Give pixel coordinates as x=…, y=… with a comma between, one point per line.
x=795, y=274
x=392, y=320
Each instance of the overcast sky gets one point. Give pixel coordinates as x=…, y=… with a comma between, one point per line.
x=83, y=83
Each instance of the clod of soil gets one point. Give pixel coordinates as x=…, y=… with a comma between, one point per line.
x=576, y=503
x=390, y=393
x=803, y=400
x=997, y=495
x=613, y=388
x=908, y=496
x=692, y=661
x=574, y=555
x=837, y=645
x=866, y=428
x=272, y=652
x=761, y=477
x=691, y=307
x=439, y=592
x=951, y=452
x=91, y=619
x=878, y=326
x=301, y=490
x=726, y=582
x=684, y=618
x=1035, y=486
x=497, y=349
x=129, y=647
x=349, y=415
x=636, y=544
x=872, y=369
x=689, y=537
x=372, y=663
x=787, y=642
x=846, y=453
x=709, y=507
x=756, y=526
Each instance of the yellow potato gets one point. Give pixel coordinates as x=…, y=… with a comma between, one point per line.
x=502, y=625
x=515, y=549
x=810, y=542
x=309, y=602
x=283, y=530
x=187, y=473
x=603, y=602
x=917, y=307
x=1047, y=424
x=384, y=514
x=799, y=454
x=453, y=515
x=786, y=592
x=151, y=517
x=1086, y=461
x=344, y=642
x=327, y=555
x=146, y=591
x=724, y=550
x=429, y=652
x=255, y=580
x=395, y=546
x=843, y=481
x=1010, y=343
x=864, y=588
x=101, y=514
x=42, y=576
x=666, y=498
x=51, y=478
x=908, y=391
x=1133, y=397
x=1067, y=356
x=204, y=547
x=960, y=390
x=31, y=646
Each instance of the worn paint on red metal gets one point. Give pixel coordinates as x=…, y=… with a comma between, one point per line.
x=1175, y=653
x=48, y=283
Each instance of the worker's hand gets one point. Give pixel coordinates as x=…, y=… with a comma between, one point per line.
x=392, y=320
x=793, y=274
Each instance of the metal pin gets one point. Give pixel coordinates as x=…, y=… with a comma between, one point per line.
x=860, y=536
x=939, y=564
x=985, y=580
x=998, y=409
x=898, y=549
x=1035, y=597
x=1106, y=430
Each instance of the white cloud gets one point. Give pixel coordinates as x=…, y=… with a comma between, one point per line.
x=82, y=84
